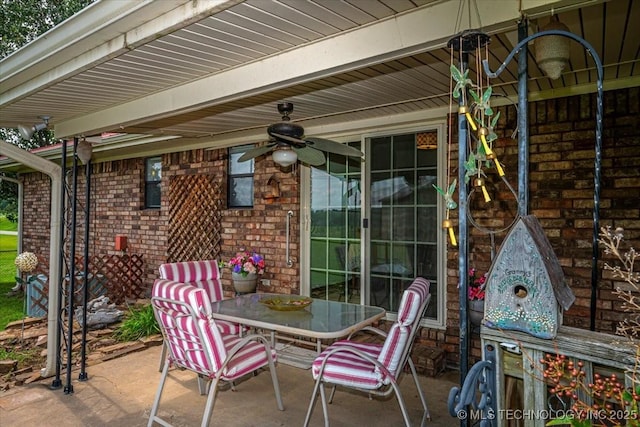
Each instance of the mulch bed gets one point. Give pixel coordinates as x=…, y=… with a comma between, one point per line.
x=29, y=337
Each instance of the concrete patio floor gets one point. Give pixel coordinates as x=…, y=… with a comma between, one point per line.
x=120, y=392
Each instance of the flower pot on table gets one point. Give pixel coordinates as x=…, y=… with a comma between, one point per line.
x=244, y=284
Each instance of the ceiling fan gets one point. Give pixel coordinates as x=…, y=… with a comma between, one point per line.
x=289, y=144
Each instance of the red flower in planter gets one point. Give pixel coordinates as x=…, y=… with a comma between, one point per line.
x=476, y=285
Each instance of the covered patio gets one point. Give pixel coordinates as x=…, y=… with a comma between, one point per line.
x=185, y=84
x=120, y=393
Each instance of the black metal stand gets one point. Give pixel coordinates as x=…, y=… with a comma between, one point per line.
x=85, y=295
x=57, y=382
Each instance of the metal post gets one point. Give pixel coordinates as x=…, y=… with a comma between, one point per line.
x=57, y=382
x=523, y=124
x=72, y=270
x=465, y=42
x=85, y=295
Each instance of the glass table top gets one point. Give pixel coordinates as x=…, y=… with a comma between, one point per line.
x=321, y=319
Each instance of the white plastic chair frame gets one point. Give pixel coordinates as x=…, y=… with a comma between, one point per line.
x=384, y=390
x=213, y=389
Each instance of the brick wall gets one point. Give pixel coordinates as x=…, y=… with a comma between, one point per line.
x=562, y=139
x=117, y=208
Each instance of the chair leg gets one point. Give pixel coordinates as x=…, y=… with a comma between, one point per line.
x=426, y=416
x=203, y=385
x=312, y=403
x=156, y=403
x=211, y=399
x=163, y=356
x=274, y=379
x=325, y=409
x=403, y=408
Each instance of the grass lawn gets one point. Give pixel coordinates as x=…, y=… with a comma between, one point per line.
x=11, y=307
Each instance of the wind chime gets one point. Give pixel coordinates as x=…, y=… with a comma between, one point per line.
x=474, y=103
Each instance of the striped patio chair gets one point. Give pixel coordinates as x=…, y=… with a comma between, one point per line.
x=374, y=368
x=195, y=343
x=204, y=275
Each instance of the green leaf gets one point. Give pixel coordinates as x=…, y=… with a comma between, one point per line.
x=455, y=73
x=486, y=96
x=452, y=187
x=562, y=421
x=494, y=121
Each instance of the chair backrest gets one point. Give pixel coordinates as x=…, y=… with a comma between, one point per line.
x=399, y=341
x=201, y=274
x=190, y=333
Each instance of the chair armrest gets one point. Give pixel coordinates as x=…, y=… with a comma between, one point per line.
x=370, y=329
x=358, y=353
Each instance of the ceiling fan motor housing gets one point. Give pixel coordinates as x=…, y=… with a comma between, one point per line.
x=286, y=128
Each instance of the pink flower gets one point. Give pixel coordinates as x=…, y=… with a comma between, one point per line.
x=245, y=263
x=476, y=285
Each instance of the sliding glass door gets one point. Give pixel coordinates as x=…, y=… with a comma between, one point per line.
x=403, y=216
x=335, y=221
x=373, y=226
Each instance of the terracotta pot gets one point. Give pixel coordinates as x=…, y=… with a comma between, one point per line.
x=476, y=312
x=244, y=284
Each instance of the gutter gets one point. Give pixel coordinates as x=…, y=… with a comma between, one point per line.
x=55, y=173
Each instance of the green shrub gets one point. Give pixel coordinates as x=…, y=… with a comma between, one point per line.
x=139, y=323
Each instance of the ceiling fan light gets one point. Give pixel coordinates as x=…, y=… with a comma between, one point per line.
x=285, y=157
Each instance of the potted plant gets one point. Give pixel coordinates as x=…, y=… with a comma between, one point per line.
x=245, y=267
x=476, y=293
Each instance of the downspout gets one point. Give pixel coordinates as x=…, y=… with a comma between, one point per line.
x=54, y=172
x=20, y=209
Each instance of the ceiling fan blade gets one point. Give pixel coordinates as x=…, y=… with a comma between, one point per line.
x=333, y=147
x=296, y=142
x=310, y=156
x=256, y=152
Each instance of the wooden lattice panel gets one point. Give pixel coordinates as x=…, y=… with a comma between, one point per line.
x=195, y=202
x=119, y=277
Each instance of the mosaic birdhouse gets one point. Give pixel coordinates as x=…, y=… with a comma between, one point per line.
x=526, y=289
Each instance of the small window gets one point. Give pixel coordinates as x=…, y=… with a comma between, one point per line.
x=152, y=181
x=240, y=191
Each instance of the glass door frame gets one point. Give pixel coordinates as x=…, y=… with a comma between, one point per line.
x=305, y=220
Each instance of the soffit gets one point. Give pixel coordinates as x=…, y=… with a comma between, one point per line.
x=337, y=61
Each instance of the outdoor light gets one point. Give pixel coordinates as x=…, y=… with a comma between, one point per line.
x=26, y=132
x=552, y=52
x=285, y=156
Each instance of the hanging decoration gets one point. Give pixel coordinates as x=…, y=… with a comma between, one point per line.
x=474, y=103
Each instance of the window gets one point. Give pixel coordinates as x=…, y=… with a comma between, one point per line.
x=152, y=180
x=240, y=191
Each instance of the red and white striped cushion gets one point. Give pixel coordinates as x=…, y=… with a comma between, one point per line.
x=204, y=275
x=351, y=370
x=347, y=368
x=181, y=328
x=194, y=340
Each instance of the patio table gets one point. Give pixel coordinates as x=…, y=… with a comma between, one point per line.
x=321, y=320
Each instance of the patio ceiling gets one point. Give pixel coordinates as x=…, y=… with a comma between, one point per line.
x=212, y=72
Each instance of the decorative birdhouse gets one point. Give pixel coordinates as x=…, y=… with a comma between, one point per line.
x=526, y=289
